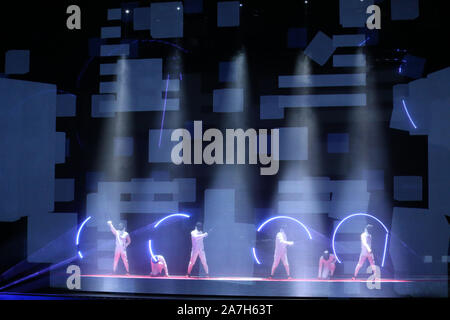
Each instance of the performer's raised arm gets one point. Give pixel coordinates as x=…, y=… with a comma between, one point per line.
x=280, y=238
x=113, y=230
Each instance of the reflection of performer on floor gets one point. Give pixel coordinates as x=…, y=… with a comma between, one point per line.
x=159, y=266
x=122, y=242
x=281, y=245
x=198, y=250
x=366, y=251
x=327, y=265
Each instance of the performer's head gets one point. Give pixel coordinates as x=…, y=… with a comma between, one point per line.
x=326, y=255
x=121, y=227
x=199, y=226
x=283, y=227
x=369, y=228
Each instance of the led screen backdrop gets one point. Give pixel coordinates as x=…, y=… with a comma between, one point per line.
x=243, y=115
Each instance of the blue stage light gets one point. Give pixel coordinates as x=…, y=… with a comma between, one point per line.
x=367, y=215
x=77, y=241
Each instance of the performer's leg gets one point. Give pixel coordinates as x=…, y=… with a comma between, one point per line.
x=372, y=262
x=116, y=259
x=203, y=260
x=192, y=261
x=332, y=268
x=123, y=255
x=284, y=259
x=276, y=261
x=362, y=259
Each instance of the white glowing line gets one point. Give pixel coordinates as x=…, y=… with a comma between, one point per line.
x=407, y=113
x=170, y=216
x=285, y=217
x=254, y=255
x=79, y=230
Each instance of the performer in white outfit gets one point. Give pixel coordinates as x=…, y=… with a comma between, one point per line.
x=281, y=245
x=159, y=266
x=123, y=240
x=198, y=250
x=327, y=265
x=366, y=251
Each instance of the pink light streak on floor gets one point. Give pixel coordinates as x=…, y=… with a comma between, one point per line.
x=256, y=279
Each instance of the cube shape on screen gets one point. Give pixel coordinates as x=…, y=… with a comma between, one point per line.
x=404, y=9
x=297, y=38
x=293, y=143
x=114, y=14
x=338, y=143
x=123, y=146
x=352, y=13
x=408, y=188
x=228, y=14
x=17, y=62
x=320, y=48
x=142, y=18
x=166, y=20
x=228, y=100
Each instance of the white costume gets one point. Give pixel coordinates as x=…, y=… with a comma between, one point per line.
x=198, y=250
x=159, y=266
x=281, y=244
x=122, y=242
x=326, y=267
x=366, y=252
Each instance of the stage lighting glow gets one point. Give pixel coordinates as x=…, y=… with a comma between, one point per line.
x=285, y=217
x=367, y=215
x=254, y=255
x=80, y=255
x=171, y=216
x=151, y=251
x=407, y=113
x=127, y=11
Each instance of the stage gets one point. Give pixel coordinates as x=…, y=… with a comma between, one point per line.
x=263, y=287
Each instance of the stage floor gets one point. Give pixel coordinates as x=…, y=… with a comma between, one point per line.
x=264, y=287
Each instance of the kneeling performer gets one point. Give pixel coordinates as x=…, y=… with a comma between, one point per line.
x=159, y=266
x=327, y=265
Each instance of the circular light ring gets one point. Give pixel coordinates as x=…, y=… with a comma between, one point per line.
x=255, y=257
x=171, y=216
x=157, y=225
x=77, y=239
x=285, y=217
x=366, y=215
